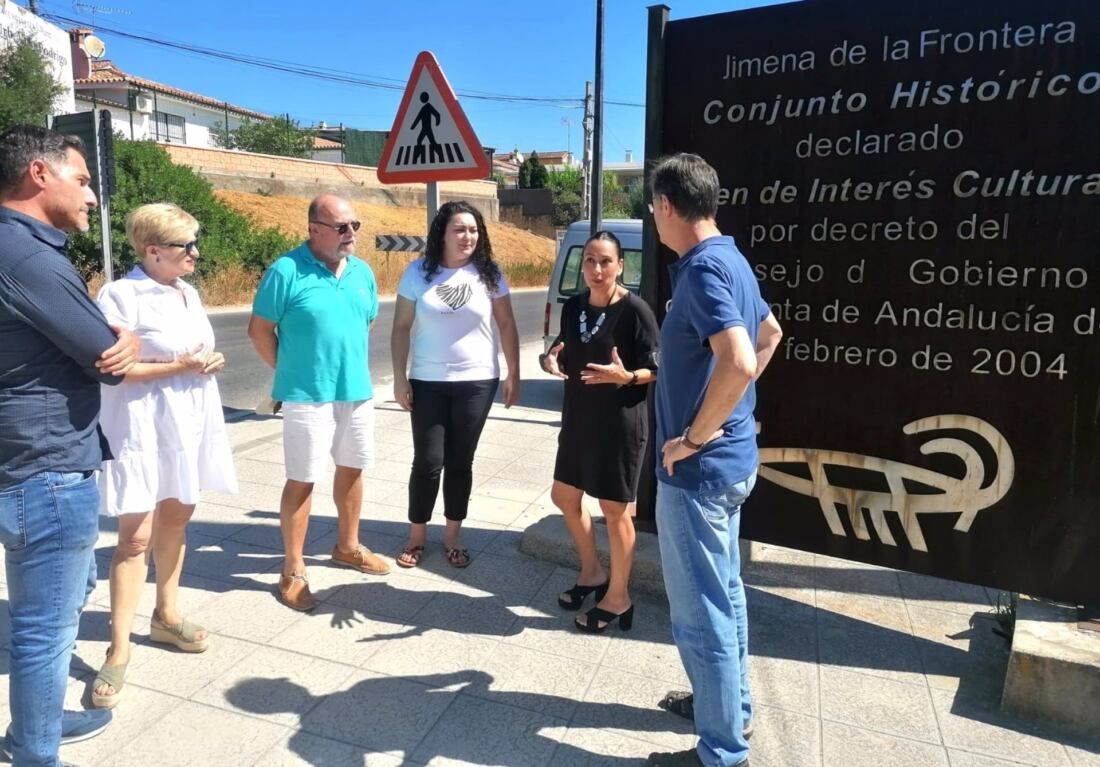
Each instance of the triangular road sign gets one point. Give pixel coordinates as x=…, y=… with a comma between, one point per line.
x=431, y=139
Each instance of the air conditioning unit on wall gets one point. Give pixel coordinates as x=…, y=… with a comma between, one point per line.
x=143, y=102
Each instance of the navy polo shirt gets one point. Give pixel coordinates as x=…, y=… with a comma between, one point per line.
x=51, y=334
x=713, y=289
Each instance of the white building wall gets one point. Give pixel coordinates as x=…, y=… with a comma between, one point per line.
x=16, y=21
x=200, y=122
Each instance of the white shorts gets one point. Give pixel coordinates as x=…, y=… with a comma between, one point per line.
x=314, y=430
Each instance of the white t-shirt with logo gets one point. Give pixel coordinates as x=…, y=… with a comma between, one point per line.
x=452, y=336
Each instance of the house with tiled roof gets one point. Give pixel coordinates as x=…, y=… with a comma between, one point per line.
x=144, y=109
x=506, y=164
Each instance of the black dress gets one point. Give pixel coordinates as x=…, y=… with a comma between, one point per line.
x=604, y=427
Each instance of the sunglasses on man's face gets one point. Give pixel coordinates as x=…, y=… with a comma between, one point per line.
x=341, y=228
x=188, y=248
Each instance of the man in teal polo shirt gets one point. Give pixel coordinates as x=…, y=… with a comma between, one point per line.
x=310, y=321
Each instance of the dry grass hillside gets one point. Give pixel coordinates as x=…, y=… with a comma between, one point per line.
x=526, y=258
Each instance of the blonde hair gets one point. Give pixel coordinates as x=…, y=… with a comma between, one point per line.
x=158, y=224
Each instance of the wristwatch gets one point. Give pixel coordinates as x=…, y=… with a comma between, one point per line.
x=633, y=378
x=687, y=441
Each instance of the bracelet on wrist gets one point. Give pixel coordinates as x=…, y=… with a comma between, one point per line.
x=686, y=440
x=633, y=378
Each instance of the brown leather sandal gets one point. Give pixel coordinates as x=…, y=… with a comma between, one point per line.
x=457, y=557
x=410, y=556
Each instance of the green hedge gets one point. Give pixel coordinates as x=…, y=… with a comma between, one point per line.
x=146, y=174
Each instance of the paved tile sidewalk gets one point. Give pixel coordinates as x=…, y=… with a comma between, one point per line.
x=851, y=665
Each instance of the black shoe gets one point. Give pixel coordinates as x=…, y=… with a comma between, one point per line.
x=594, y=617
x=689, y=758
x=682, y=703
x=679, y=702
x=579, y=593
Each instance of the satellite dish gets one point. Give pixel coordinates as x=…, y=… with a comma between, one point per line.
x=94, y=47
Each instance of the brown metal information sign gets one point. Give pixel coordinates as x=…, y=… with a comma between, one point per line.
x=917, y=186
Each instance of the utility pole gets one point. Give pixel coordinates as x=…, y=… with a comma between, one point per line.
x=597, y=130
x=586, y=149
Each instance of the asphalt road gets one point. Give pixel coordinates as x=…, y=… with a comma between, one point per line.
x=246, y=380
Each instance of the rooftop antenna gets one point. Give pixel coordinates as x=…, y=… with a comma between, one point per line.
x=568, y=134
x=92, y=9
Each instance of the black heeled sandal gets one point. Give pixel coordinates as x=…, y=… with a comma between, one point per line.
x=579, y=593
x=596, y=615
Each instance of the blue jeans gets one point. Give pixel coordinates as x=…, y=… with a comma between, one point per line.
x=701, y=561
x=48, y=525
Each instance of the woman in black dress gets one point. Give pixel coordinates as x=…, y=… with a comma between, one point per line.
x=606, y=352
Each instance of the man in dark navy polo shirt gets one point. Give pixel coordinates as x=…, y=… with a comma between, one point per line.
x=716, y=340
x=55, y=351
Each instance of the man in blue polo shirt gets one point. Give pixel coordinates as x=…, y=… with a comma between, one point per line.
x=716, y=340
x=55, y=351
x=310, y=320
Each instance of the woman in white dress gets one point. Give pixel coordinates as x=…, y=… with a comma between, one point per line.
x=166, y=432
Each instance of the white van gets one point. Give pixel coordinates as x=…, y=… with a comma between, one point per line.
x=567, y=280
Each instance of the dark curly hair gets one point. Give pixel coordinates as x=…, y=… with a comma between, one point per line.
x=482, y=258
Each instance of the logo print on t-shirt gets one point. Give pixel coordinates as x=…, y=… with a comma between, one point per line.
x=455, y=296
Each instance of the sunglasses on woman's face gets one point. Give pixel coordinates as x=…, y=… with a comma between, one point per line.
x=341, y=228
x=188, y=247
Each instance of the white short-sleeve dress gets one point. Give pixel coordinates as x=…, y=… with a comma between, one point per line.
x=168, y=435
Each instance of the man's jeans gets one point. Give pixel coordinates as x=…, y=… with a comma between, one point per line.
x=698, y=536
x=49, y=525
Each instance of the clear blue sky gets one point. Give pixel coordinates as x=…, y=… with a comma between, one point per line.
x=497, y=46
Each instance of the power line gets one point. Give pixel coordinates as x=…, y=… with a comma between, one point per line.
x=318, y=73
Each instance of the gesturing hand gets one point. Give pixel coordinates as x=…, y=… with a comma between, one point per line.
x=615, y=373
x=550, y=361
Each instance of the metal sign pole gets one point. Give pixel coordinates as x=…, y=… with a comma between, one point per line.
x=432, y=203
x=104, y=200
x=596, y=198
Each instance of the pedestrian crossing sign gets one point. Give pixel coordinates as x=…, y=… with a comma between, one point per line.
x=431, y=139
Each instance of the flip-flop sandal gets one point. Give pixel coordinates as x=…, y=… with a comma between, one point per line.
x=410, y=556
x=115, y=676
x=457, y=557
x=183, y=635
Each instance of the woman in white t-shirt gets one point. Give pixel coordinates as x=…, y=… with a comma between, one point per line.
x=446, y=303
x=166, y=432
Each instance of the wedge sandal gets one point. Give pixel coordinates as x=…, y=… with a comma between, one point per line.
x=115, y=676
x=183, y=635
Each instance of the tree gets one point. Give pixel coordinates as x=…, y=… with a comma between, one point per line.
x=532, y=173
x=146, y=173
x=566, y=186
x=279, y=136
x=622, y=201
x=27, y=89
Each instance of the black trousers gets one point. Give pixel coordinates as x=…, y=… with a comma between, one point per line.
x=447, y=420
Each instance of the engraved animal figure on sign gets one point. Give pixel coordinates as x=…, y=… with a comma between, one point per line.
x=979, y=488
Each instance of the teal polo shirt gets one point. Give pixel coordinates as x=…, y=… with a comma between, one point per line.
x=322, y=325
